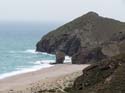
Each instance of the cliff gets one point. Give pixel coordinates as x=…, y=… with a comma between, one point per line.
x=84, y=38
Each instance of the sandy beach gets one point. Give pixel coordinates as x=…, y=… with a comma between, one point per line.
x=56, y=77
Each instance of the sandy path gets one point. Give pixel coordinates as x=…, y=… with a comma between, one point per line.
x=41, y=79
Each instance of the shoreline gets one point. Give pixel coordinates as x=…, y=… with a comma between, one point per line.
x=24, y=70
x=41, y=79
x=38, y=65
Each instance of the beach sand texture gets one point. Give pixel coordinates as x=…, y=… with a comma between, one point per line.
x=53, y=78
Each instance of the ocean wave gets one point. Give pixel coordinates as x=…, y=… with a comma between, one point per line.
x=44, y=62
x=67, y=60
x=44, y=53
x=32, y=51
x=24, y=70
x=37, y=65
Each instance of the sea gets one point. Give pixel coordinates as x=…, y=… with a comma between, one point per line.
x=17, y=47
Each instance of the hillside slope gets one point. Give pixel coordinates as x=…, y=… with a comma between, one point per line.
x=87, y=34
x=107, y=76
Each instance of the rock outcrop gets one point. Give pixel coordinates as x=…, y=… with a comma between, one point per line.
x=87, y=38
x=60, y=57
x=84, y=56
x=107, y=76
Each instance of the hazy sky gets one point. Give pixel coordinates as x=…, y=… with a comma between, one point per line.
x=58, y=10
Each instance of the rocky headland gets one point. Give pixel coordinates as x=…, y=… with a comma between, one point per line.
x=86, y=39
x=92, y=39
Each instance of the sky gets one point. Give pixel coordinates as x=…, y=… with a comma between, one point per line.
x=59, y=10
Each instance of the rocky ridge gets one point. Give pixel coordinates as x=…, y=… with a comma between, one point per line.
x=85, y=38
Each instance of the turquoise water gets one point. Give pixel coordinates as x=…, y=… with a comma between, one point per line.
x=17, y=48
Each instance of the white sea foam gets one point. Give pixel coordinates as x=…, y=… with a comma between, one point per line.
x=67, y=59
x=47, y=54
x=44, y=62
x=33, y=51
x=25, y=70
x=38, y=64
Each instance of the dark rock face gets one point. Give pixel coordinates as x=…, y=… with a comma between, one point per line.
x=82, y=37
x=84, y=56
x=60, y=57
x=69, y=45
x=107, y=76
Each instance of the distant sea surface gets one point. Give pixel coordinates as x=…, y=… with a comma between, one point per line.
x=17, y=47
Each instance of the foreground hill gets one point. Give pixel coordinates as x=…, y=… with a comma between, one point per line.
x=86, y=38
x=107, y=76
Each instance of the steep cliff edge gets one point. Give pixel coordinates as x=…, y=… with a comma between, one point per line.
x=88, y=33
